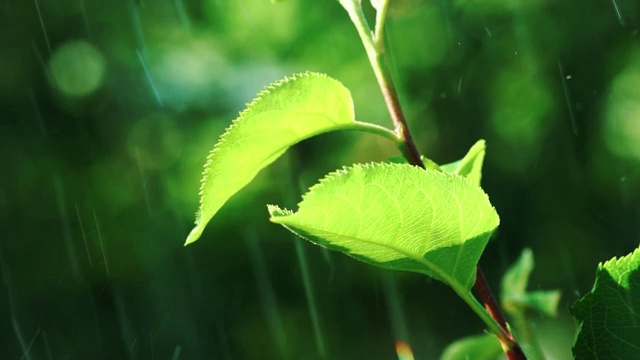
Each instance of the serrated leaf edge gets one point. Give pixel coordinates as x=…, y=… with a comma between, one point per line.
x=344, y=171
x=241, y=115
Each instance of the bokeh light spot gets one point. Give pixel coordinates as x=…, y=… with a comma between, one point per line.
x=622, y=114
x=521, y=103
x=77, y=68
x=155, y=142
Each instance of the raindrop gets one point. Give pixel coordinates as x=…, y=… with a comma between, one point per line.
x=23, y=345
x=147, y=73
x=104, y=254
x=311, y=301
x=47, y=347
x=34, y=102
x=176, y=353
x=137, y=25
x=62, y=211
x=618, y=14
x=488, y=32
x=83, y=8
x=33, y=339
x=567, y=98
x=84, y=238
x=40, y=59
x=394, y=304
x=182, y=13
x=143, y=179
x=44, y=29
x=266, y=293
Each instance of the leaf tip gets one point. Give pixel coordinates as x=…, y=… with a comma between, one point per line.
x=194, y=235
x=276, y=212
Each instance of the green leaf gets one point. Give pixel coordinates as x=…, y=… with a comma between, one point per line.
x=609, y=315
x=400, y=217
x=514, y=294
x=479, y=347
x=282, y=115
x=470, y=166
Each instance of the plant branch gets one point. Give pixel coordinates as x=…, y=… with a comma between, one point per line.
x=374, y=46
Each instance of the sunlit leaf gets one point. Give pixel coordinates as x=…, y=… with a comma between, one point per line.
x=400, y=217
x=609, y=315
x=479, y=347
x=283, y=114
x=470, y=166
x=514, y=295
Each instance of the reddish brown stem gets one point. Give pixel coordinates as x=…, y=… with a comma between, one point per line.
x=509, y=344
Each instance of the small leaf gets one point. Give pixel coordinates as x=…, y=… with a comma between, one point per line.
x=516, y=299
x=470, y=166
x=428, y=163
x=399, y=217
x=609, y=315
x=478, y=347
x=282, y=115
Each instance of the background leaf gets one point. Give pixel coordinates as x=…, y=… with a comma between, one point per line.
x=478, y=347
x=398, y=217
x=283, y=114
x=514, y=294
x=609, y=315
x=470, y=166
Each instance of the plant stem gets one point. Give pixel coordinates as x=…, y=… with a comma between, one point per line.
x=375, y=53
x=509, y=344
x=374, y=46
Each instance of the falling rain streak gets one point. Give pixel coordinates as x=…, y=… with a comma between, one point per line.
x=311, y=299
x=147, y=73
x=567, y=98
x=618, y=14
x=44, y=29
x=84, y=237
x=266, y=293
x=143, y=179
x=85, y=18
x=104, y=253
x=66, y=231
x=16, y=329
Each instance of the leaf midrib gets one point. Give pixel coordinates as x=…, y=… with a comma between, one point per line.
x=441, y=273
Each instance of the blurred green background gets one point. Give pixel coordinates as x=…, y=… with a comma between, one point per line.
x=109, y=108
